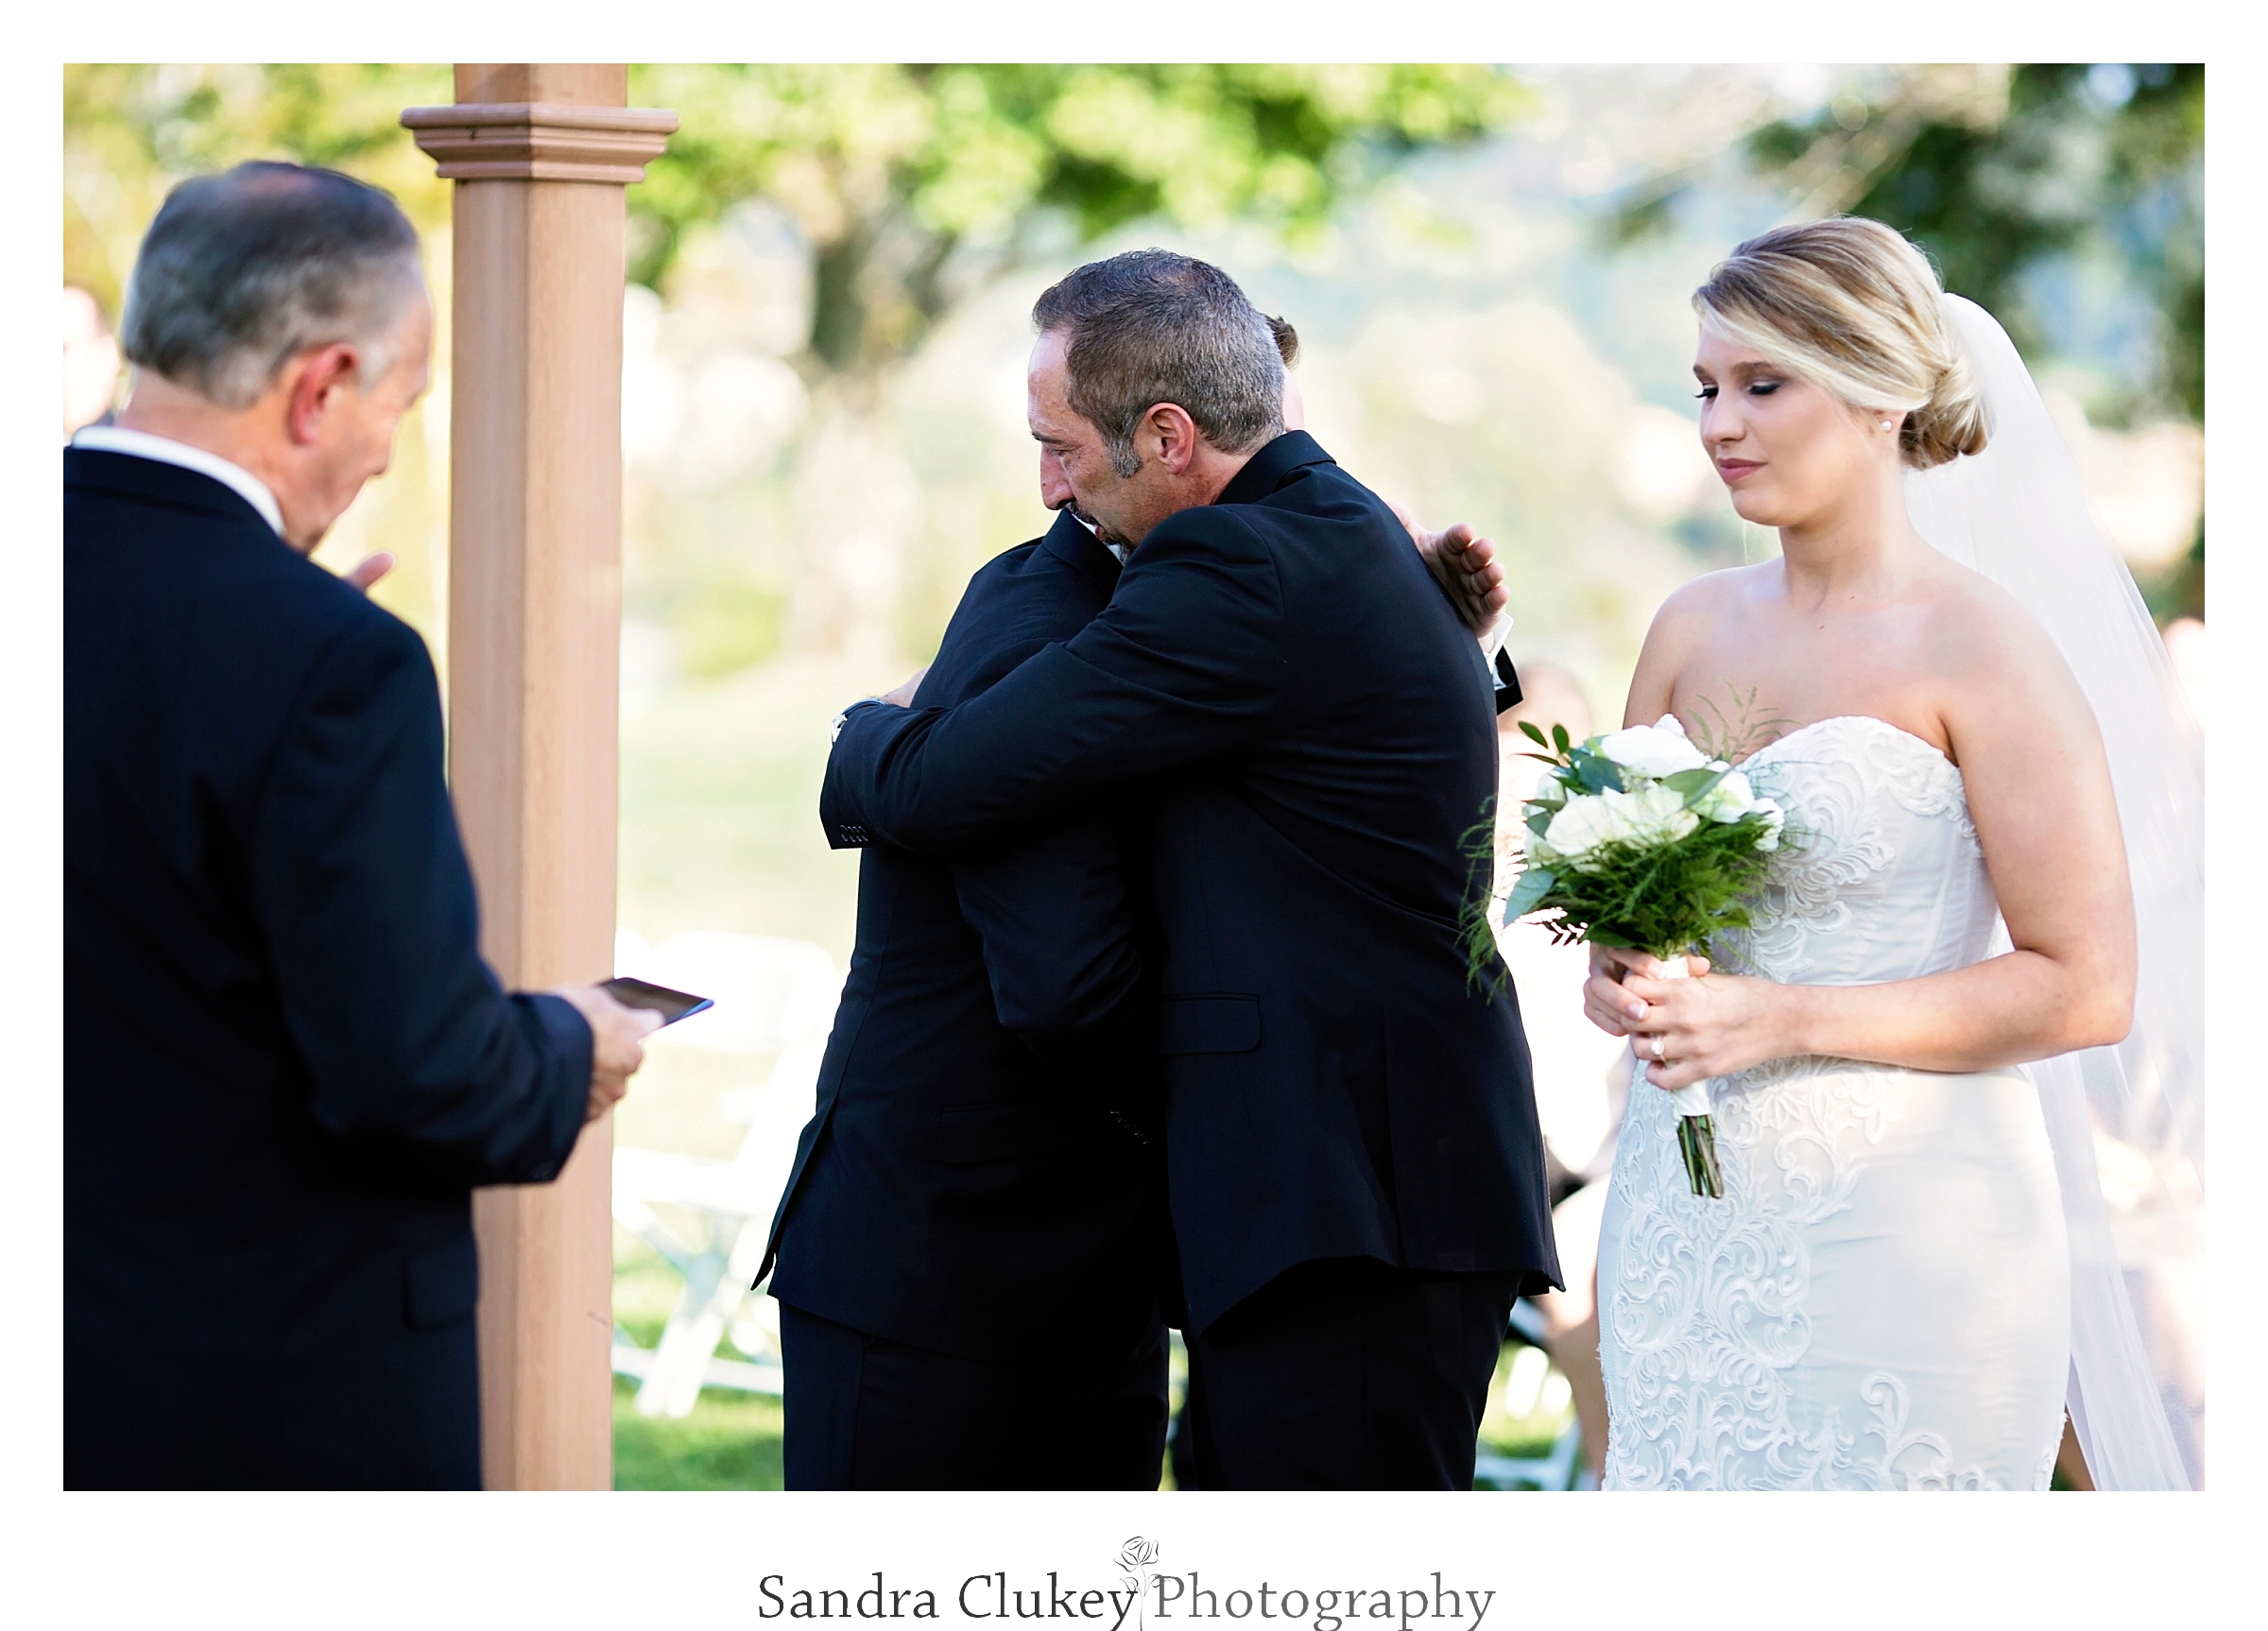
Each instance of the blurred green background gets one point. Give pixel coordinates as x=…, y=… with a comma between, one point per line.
x=1489, y=268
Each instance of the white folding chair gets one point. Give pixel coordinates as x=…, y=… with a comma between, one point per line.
x=771, y=995
x=1532, y=1374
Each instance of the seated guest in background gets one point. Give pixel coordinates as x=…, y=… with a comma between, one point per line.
x=285, y=1065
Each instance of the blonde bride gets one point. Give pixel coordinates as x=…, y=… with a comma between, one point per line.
x=1906, y=1283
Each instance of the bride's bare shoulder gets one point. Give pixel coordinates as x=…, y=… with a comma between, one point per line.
x=1705, y=602
x=1985, y=643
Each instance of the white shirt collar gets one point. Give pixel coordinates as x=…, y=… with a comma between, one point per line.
x=165, y=450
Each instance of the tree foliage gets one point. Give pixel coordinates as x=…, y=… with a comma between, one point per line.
x=132, y=130
x=2002, y=173
x=912, y=183
x=2104, y=159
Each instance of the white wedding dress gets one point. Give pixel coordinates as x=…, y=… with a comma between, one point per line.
x=1881, y=1300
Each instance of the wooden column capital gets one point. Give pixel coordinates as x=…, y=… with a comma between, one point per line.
x=541, y=141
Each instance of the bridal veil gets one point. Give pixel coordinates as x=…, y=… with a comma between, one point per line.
x=2127, y=1122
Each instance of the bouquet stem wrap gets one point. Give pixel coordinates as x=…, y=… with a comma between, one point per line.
x=1697, y=1127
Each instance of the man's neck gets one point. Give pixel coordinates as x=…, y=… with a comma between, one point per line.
x=159, y=408
x=1212, y=471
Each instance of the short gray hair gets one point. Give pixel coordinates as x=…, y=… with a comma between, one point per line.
x=1150, y=326
x=241, y=272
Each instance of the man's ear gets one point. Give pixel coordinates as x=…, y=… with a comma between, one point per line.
x=1176, y=434
x=319, y=375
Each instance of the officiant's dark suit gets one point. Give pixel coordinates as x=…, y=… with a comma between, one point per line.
x=1356, y=1174
x=285, y=1065
x=972, y=1249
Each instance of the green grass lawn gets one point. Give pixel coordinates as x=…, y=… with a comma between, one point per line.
x=731, y=1441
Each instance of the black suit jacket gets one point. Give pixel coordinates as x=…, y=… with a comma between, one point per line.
x=971, y=1182
x=1318, y=732
x=284, y=1063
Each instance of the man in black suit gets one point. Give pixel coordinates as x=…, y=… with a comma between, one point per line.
x=971, y=1250
x=1355, y=1172
x=285, y=1065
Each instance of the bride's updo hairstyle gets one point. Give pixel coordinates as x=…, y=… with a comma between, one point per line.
x=1851, y=306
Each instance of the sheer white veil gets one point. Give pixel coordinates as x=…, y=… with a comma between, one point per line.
x=2129, y=1121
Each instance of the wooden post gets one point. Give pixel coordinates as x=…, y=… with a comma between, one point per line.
x=540, y=153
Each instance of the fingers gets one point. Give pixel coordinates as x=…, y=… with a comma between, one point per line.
x=904, y=696
x=1612, y=1007
x=370, y=569
x=615, y=1030
x=1671, y=1073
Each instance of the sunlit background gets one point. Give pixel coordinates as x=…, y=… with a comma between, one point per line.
x=1489, y=270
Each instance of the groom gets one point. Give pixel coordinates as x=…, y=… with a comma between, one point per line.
x=1355, y=1175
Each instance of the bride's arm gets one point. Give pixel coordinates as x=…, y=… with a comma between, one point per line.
x=2039, y=793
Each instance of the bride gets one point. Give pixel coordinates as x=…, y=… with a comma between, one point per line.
x=1909, y=1278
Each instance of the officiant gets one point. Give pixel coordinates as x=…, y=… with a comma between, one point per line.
x=285, y=1064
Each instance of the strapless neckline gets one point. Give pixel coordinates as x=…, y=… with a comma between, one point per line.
x=1921, y=742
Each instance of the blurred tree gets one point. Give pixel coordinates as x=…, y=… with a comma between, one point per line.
x=912, y=187
x=891, y=171
x=2103, y=159
x=914, y=183
x=132, y=130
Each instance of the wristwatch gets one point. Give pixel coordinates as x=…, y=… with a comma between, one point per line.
x=834, y=728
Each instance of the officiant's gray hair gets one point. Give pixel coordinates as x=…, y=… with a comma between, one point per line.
x=241, y=272
x=1151, y=326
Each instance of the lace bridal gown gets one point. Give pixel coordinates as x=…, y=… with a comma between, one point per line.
x=1881, y=1300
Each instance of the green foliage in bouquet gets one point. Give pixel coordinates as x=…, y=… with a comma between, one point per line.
x=1658, y=860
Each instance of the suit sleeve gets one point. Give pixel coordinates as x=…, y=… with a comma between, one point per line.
x=1186, y=664
x=422, y=1064
x=1057, y=916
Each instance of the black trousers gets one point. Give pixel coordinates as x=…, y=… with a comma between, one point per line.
x=866, y=1413
x=1348, y=1374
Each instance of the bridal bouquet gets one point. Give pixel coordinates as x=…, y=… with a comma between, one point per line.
x=1638, y=838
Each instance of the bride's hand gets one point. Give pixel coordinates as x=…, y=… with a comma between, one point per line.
x=1605, y=1004
x=1709, y=1025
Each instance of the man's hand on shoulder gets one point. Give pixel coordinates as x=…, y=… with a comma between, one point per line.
x=1466, y=567
x=615, y=1053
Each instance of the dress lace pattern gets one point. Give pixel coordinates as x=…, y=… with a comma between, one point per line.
x=1760, y=1341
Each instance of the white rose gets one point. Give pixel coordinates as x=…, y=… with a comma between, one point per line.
x=1774, y=820
x=1728, y=800
x=1582, y=824
x=1539, y=852
x=1653, y=750
x=1650, y=816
